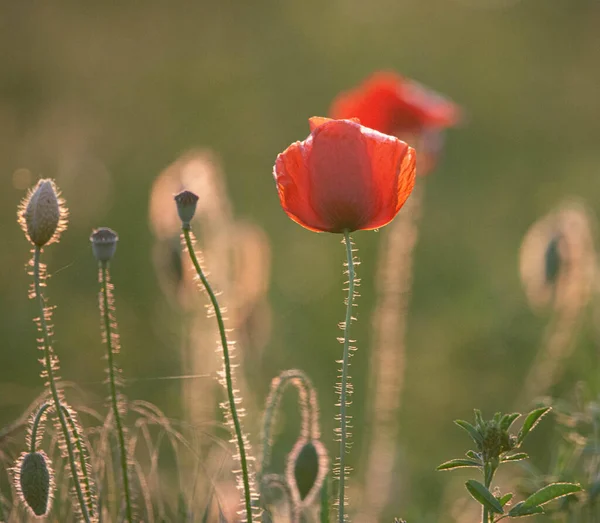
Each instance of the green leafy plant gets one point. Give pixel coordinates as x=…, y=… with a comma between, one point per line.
x=575, y=456
x=495, y=446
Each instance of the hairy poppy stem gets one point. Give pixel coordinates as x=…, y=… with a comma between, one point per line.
x=109, y=334
x=344, y=384
x=35, y=426
x=228, y=372
x=50, y=362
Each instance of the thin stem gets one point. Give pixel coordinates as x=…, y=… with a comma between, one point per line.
x=49, y=360
x=228, y=373
x=344, y=386
x=35, y=426
x=488, y=476
x=83, y=455
x=106, y=303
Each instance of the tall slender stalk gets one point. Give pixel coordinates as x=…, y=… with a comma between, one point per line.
x=50, y=362
x=111, y=349
x=84, y=455
x=343, y=390
x=227, y=368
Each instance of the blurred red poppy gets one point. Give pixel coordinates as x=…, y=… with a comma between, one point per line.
x=344, y=176
x=394, y=105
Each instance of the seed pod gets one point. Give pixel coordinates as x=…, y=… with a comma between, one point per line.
x=42, y=214
x=35, y=482
x=186, y=206
x=104, y=244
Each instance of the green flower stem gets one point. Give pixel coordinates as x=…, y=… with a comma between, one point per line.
x=106, y=303
x=35, y=426
x=344, y=385
x=49, y=367
x=227, y=366
x=488, y=475
x=83, y=456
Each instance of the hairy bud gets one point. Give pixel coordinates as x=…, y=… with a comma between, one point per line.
x=35, y=481
x=42, y=214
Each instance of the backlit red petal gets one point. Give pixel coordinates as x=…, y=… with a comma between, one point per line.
x=343, y=191
x=391, y=104
x=293, y=185
x=393, y=165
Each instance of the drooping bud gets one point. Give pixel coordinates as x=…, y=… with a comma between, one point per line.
x=186, y=206
x=35, y=481
x=104, y=244
x=42, y=214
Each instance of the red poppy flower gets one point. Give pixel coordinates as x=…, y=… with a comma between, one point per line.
x=344, y=176
x=401, y=107
x=393, y=105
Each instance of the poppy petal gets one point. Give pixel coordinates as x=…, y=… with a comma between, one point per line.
x=393, y=164
x=343, y=189
x=317, y=121
x=344, y=176
x=292, y=178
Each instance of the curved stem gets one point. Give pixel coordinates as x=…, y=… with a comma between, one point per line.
x=228, y=373
x=344, y=385
x=106, y=303
x=35, y=425
x=309, y=426
x=49, y=367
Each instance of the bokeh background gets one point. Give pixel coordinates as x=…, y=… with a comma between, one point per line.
x=104, y=96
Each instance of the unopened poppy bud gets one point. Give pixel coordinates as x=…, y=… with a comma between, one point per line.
x=42, y=214
x=104, y=244
x=186, y=206
x=35, y=481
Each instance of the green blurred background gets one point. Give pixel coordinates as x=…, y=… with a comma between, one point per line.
x=103, y=96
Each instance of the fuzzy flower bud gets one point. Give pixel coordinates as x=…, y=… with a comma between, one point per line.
x=42, y=215
x=186, y=206
x=104, y=244
x=35, y=481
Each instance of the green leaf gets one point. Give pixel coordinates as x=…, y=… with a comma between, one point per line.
x=478, y=418
x=508, y=420
x=520, y=510
x=515, y=457
x=477, y=438
x=550, y=493
x=471, y=454
x=505, y=499
x=458, y=463
x=532, y=419
x=484, y=496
